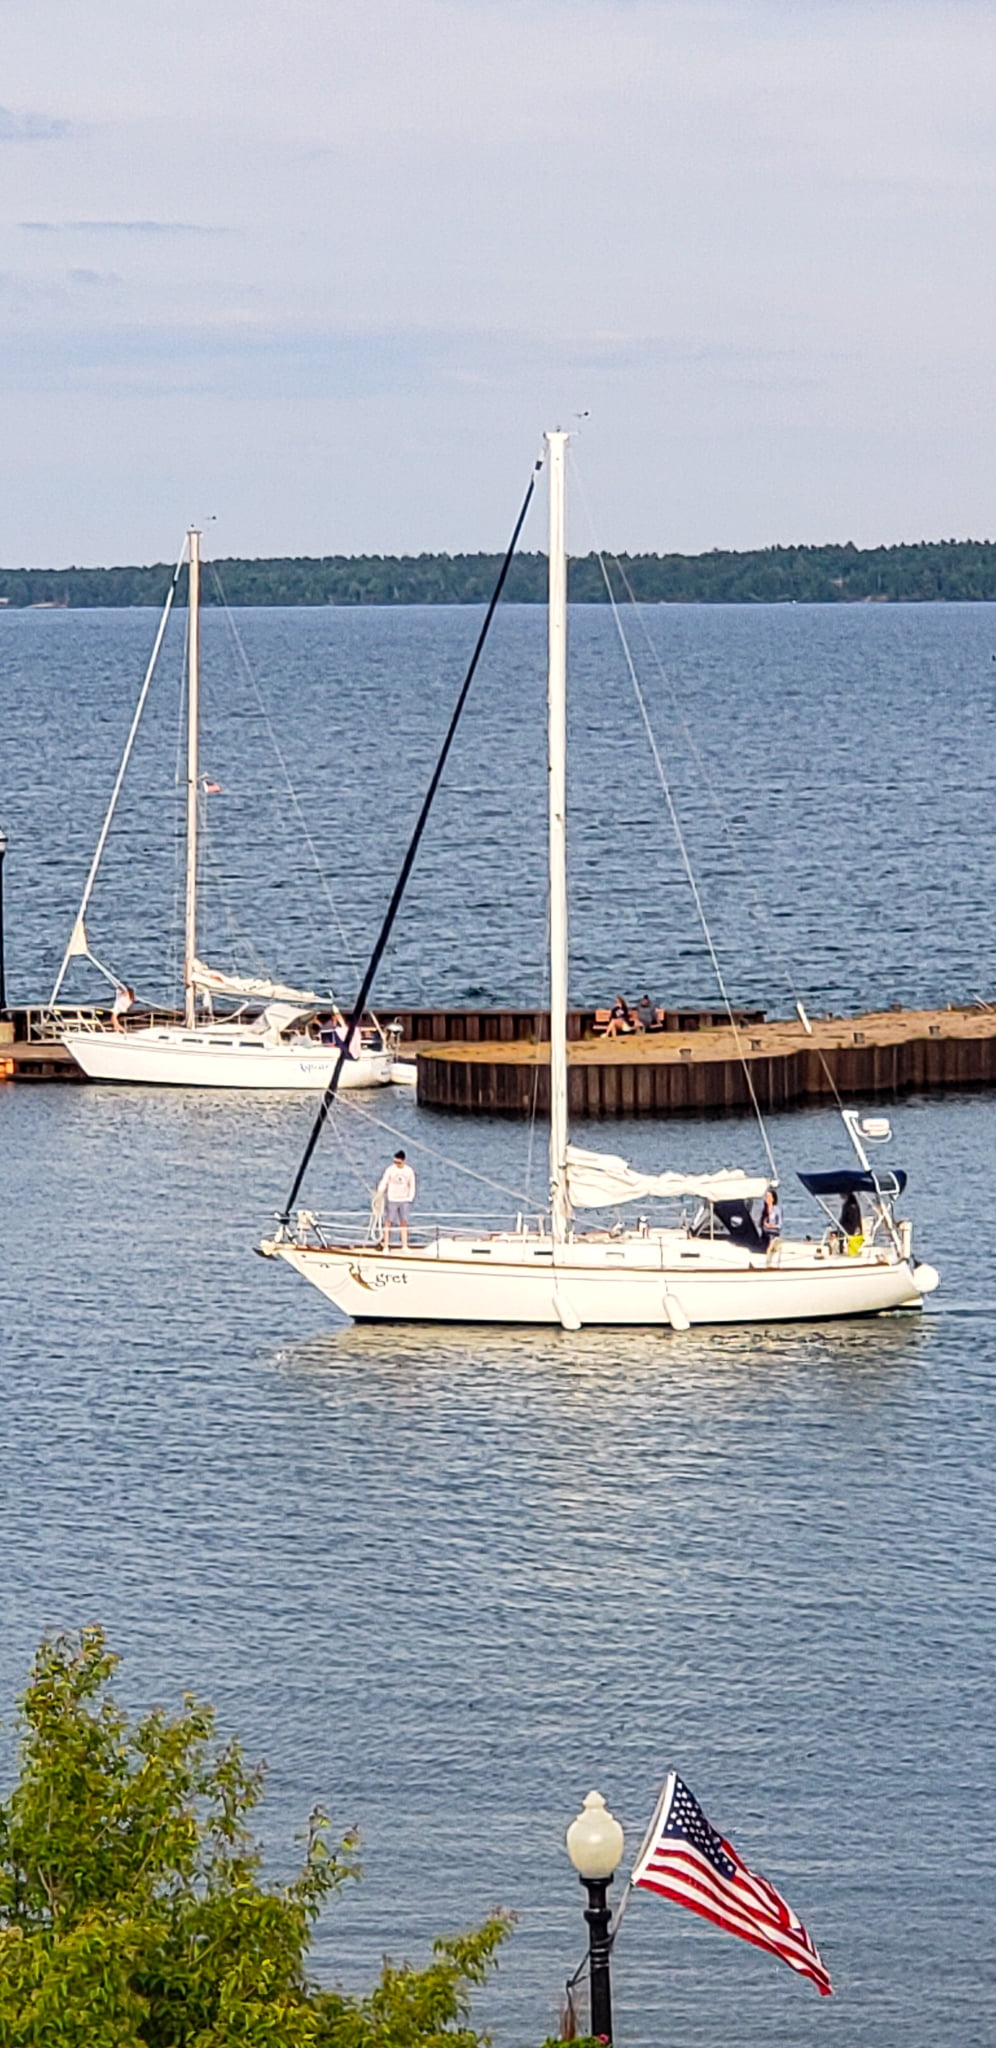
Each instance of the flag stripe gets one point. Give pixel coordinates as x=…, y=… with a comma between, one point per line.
x=802, y=1965
x=796, y=1955
x=689, y=1890
x=685, y=1859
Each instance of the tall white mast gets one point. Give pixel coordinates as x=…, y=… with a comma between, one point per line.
x=193, y=775
x=557, y=744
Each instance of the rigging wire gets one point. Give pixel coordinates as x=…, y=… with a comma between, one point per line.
x=683, y=852
x=408, y=863
x=343, y=1102
x=239, y=943
x=291, y=791
x=757, y=904
x=119, y=778
x=343, y=1144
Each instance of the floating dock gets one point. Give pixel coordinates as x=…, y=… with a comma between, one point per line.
x=675, y=1073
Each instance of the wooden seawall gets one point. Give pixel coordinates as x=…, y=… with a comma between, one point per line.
x=497, y=1062
x=30, y=1048
x=891, y=1053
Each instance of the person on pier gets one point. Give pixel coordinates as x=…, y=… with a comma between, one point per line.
x=620, y=1019
x=648, y=1015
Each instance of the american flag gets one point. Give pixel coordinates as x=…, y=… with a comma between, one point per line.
x=686, y=1859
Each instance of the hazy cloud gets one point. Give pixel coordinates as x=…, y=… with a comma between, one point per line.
x=32, y=127
x=120, y=227
x=98, y=278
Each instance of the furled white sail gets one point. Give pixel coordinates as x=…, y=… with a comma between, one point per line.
x=598, y=1180
x=249, y=985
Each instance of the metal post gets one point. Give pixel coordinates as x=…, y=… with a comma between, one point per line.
x=3, y=971
x=598, y=1916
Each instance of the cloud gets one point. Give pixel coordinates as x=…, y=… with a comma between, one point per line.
x=120, y=227
x=98, y=278
x=237, y=354
x=32, y=127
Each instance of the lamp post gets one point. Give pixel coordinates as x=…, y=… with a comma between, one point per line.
x=594, y=1845
x=3, y=975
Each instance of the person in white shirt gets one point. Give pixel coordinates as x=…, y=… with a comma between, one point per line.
x=397, y=1185
x=123, y=999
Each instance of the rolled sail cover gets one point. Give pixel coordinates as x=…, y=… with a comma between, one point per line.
x=601, y=1180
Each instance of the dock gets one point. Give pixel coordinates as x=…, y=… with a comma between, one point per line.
x=678, y=1073
x=30, y=1049
x=496, y=1062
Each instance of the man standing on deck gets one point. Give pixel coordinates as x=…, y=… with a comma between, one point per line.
x=397, y=1185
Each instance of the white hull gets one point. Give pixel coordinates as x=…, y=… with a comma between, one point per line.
x=663, y=1279
x=169, y=1057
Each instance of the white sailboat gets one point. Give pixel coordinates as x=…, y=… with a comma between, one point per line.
x=251, y=1047
x=710, y=1267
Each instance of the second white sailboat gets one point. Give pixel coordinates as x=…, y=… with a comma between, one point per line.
x=254, y=1047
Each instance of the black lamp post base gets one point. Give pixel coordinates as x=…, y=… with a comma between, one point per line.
x=598, y=1916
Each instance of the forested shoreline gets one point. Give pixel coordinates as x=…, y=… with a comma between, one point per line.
x=920, y=573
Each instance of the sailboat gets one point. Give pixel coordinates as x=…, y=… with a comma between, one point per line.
x=711, y=1266
x=263, y=1041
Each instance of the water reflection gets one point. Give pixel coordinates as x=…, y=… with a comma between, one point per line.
x=718, y=1365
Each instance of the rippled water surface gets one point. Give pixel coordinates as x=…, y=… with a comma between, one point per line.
x=447, y=1581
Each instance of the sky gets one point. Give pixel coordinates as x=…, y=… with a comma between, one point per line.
x=322, y=273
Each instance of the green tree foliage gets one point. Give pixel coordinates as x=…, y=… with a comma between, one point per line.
x=839, y=574
x=133, y=1912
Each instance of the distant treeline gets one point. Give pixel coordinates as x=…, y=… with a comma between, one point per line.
x=957, y=570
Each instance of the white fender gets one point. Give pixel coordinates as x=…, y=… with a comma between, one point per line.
x=925, y=1279
x=674, y=1312
x=569, y=1318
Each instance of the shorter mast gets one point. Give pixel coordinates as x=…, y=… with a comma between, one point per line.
x=557, y=743
x=193, y=775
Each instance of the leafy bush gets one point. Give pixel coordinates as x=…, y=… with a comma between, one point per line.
x=133, y=1912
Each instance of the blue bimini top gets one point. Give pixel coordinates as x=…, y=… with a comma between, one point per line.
x=850, y=1180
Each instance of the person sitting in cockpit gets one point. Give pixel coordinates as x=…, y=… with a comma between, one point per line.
x=851, y=1221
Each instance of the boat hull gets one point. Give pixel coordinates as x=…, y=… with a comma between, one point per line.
x=169, y=1058
x=435, y=1286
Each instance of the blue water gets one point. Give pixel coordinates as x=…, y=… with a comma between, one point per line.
x=832, y=770
x=445, y=1582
